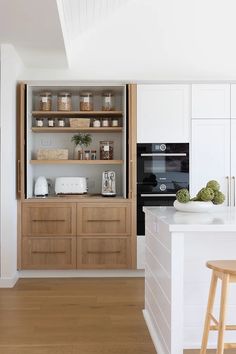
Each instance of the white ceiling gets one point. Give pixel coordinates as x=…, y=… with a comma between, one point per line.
x=33, y=27
x=125, y=39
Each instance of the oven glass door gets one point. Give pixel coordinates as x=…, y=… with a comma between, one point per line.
x=162, y=173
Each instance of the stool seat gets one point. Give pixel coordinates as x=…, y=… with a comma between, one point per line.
x=223, y=266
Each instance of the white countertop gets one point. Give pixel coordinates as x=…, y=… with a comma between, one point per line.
x=217, y=219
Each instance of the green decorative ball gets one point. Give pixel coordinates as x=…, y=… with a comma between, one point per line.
x=213, y=185
x=219, y=197
x=183, y=195
x=206, y=194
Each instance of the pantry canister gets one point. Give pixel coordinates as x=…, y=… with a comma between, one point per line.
x=64, y=101
x=108, y=101
x=45, y=102
x=86, y=101
x=106, y=150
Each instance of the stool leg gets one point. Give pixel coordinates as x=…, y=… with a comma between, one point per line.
x=223, y=305
x=210, y=304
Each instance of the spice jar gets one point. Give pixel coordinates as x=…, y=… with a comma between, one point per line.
x=105, y=122
x=87, y=155
x=96, y=123
x=106, y=150
x=108, y=101
x=86, y=101
x=45, y=103
x=51, y=122
x=115, y=122
x=64, y=101
x=39, y=122
x=93, y=154
x=61, y=122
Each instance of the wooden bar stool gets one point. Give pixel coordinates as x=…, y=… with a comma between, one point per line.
x=226, y=271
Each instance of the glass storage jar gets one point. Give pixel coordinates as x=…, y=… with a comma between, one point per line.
x=64, y=101
x=96, y=123
x=93, y=154
x=61, y=122
x=114, y=122
x=105, y=122
x=107, y=101
x=39, y=122
x=86, y=101
x=45, y=103
x=51, y=122
x=106, y=150
x=87, y=154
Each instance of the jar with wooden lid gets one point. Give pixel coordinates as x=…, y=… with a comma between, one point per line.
x=64, y=101
x=45, y=102
x=39, y=122
x=51, y=122
x=108, y=101
x=86, y=101
x=106, y=150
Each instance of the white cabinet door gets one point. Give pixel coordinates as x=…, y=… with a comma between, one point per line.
x=210, y=153
x=163, y=113
x=233, y=101
x=211, y=101
x=233, y=162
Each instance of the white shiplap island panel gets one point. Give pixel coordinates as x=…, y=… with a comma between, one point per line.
x=176, y=278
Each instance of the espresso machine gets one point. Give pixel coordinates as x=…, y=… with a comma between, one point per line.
x=109, y=184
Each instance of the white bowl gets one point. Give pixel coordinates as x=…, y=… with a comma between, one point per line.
x=193, y=207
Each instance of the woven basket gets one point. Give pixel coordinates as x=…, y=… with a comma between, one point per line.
x=79, y=122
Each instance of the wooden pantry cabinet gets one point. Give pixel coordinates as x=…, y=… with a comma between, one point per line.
x=74, y=232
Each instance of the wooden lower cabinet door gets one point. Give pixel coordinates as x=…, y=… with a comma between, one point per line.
x=48, y=252
x=103, y=253
x=103, y=219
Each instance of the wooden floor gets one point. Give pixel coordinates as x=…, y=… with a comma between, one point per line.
x=75, y=316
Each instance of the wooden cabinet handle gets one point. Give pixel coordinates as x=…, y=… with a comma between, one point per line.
x=48, y=252
x=103, y=252
x=131, y=179
x=18, y=177
x=54, y=220
x=102, y=220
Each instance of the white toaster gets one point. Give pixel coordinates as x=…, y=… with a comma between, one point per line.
x=71, y=185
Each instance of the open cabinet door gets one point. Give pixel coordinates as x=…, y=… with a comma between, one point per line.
x=20, y=153
x=132, y=156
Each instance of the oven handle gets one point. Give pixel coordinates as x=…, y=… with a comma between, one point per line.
x=158, y=195
x=165, y=154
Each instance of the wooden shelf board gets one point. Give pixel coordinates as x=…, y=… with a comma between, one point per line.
x=77, y=162
x=69, y=129
x=76, y=113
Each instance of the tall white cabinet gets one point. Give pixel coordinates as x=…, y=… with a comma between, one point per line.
x=163, y=113
x=213, y=150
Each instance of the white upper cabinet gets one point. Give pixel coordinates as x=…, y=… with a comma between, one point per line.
x=211, y=101
x=210, y=154
x=233, y=101
x=163, y=113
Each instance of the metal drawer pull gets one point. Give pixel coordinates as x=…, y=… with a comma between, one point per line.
x=163, y=154
x=233, y=178
x=158, y=195
x=103, y=252
x=40, y=220
x=48, y=252
x=99, y=220
x=227, y=179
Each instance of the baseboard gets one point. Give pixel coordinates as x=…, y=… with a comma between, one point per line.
x=81, y=273
x=157, y=344
x=9, y=282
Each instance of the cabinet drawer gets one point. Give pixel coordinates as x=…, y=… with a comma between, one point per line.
x=107, y=219
x=49, y=252
x=49, y=219
x=103, y=253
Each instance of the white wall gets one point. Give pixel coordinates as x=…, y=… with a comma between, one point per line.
x=11, y=66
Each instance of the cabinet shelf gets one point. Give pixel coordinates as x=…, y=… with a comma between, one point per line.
x=77, y=162
x=77, y=113
x=69, y=129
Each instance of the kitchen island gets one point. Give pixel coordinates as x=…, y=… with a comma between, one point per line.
x=177, y=280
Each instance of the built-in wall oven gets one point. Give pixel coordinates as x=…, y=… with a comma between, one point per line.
x=162, y=169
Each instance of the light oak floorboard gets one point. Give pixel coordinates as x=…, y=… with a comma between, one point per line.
x=74, y=316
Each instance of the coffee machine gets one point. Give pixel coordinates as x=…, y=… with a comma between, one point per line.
x=109, y=184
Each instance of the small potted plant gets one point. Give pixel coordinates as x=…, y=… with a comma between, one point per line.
x=81, y=141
